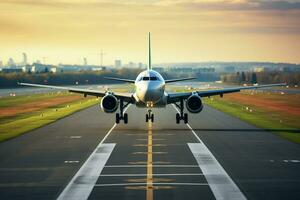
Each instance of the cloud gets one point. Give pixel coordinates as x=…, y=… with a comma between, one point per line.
x=198, y=4
x=233, y=4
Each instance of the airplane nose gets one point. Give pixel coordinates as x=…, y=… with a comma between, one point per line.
x=152, y=93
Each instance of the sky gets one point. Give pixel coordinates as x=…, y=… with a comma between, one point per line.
x=65, y=31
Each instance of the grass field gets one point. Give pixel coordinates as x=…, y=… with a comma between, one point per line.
x=278, y=113
x=21, y=114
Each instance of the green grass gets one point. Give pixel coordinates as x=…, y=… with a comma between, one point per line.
x=30, y=121
x=275, y=122
x=17, y=100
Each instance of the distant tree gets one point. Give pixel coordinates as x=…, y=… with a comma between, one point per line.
x=243, y=77
x=254, y=78
x=46, y=70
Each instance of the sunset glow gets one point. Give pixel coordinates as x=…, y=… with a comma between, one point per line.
x=182, y=30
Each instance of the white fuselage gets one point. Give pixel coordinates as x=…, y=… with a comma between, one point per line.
x=150, y=89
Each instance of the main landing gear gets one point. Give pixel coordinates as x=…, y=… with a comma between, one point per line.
x=149, y=116
x=181, y=115
x=122, y=116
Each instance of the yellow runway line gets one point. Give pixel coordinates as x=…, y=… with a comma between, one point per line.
x=149, y=195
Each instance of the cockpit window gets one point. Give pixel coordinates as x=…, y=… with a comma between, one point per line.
x=153, y=78
x=147, y=78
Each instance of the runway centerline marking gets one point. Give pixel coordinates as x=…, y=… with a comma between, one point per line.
x=149, y=194
x=83, y=182
x=218, y=180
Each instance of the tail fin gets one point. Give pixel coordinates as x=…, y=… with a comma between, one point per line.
x=149, y=63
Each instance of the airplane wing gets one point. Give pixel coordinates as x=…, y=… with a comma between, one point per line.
x=127, y=97
x=179, y=79
x=120, y=79
x=175, y=97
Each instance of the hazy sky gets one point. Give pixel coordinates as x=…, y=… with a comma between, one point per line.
x=182, y=30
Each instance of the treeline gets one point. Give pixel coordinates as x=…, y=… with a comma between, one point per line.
x=70, y=78
x=66, y=78
x=291, y=78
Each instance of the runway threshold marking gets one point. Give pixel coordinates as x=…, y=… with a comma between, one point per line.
x=149, y=194
x=218, y=180
x=83, y=182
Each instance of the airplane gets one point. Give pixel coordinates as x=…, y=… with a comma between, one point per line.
x=150, y=92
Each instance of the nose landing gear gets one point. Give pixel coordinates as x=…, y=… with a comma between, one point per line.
x=150, y=116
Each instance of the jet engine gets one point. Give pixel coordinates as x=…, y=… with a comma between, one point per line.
x=109, y=103
x=194, y=103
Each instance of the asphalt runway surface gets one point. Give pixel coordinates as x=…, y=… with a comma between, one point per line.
x=87, y=156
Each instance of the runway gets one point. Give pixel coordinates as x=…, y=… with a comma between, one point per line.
x=87, y=156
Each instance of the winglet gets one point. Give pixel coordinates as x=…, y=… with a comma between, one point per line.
x=149, y=63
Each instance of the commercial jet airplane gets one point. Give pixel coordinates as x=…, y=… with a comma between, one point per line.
x=150, y=92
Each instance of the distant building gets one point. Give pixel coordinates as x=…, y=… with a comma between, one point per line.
x=11, y=62
x=140, y=65
x=261, y=69
x=131, y=64
x=24, y=59
x=41, y=68
x=27, y=68
x=98, y=68
x=118, y=63
x=1, y=63
x=85, y=63
x=12, y=70
x=69, y=68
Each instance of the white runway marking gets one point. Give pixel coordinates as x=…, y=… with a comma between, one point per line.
x=145, y=184
x=135, y=166
x=292, y=161
x=121, y=175
x=75, y=137
x=71, y=161
x=82, y=183
x=218, y=180
x=84, y=180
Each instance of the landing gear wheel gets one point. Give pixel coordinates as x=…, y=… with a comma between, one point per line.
x=147, y=118
x=177, y=118
x=122, y=116
x=125, y=118
x=117, y=118
x=152, y=118
x=185, y=118
x=180, y=115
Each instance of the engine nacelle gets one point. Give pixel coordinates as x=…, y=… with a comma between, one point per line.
x=194, y=103
x=109, y=103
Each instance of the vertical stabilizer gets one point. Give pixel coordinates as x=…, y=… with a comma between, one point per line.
x=149, y=62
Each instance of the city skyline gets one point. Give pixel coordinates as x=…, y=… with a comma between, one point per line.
x=65, y=31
